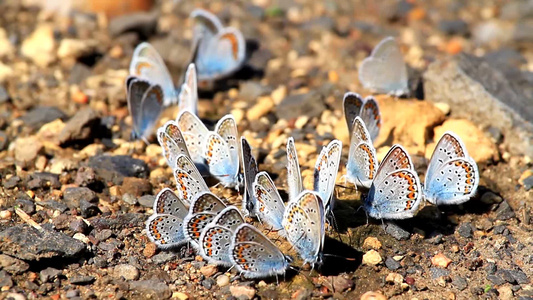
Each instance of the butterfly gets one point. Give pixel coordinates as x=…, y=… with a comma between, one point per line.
x=188, y=95
x=147, y=64
x=395, y=192
x=385, y=71
x=145, y=102
x=254, y=255
x=204, y=208
x=221, y=152
x=249, y=166
x=294, y=176
x=165, y=226
x=325, y=173
x=452, y=176
x=216, y=238
x=367, y=109
x=194, y=132
x=189, y=181
x=362, y=162
x=304, y=225
x=270, y=207
x=172, y=142
x=219, y=51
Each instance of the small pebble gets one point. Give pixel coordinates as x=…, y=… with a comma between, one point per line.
x=394, y=278
x=372, y=243
x=373, y=296
x=239, y=291
x=5, y=215
x=208, y=270
x=129, y=272
x=392, y=264
x=440, y=260
x=222, y=280
x=149, y=250
x=371, y=258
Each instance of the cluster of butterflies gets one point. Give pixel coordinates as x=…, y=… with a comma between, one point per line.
x=219, y=232
x=193, y=214
x=217, y=52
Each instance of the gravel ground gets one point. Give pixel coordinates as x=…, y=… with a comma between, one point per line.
x=75, y=191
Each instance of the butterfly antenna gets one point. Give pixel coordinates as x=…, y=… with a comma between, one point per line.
x=230, y=268
x=338, y=256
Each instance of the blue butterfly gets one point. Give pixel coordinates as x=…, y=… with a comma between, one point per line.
x=145, y=102
x=362, y=162
x=452, y=176
x=395, y=192
x=367, y=109
x=270, y=207
x=218, y=51
x=249, y=165
x=385, y=71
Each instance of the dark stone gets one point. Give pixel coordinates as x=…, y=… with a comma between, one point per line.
x=392, y=264
x=528, y=183
x=70, y=294
x=310, y=104
x=74, y=195
x=4, y=141
x=88, y=209
x=397, y=232
x=499, y=229
x=208, y=283
x=506, y=58
x=504, y=212
x=501, y=97
x=506, y=275
x=459, y=282
x=55, y=205
x=465, y=230
x=490, y=268
x=41, y=115
x=81, y=128
x=143, y=23
x=115, y=168
x=26, y=205
x=78, y=73
x=5, y=279
x=249, y=91
x=151, y=288
x=82, y=279
x=163, y=257
x=136, y=186
x=4, y=95
x=438, y=272
x=79, y=226
x=43, y=180
x=454, y=27
x=28, y=243
x=103, y=235
x=147, y=200
x=13, y=265
x=49, y=274
x=121, y=221
x=519, y=276
x=12, y=182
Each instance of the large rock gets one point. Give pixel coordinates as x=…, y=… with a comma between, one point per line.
x=501, y=97
x=27, y=243
x=115, y=168
x=82, y=127
x=407, y=122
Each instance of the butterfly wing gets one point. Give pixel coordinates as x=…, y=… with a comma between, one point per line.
x=188, y=96
x=189, y=181
x=397, y=158
x=203, y=210
x=362, y=159
x=304, y=224
x=385, y=71
x=454, y=182
x=151, y=106
x=148, y=64
x=227, y=129
x=396, y=196
x=325, y=173
x=220, y=56
x=194, y=132
x=352, y=103
x=136, y=88
x=249, y=166
x=294, y=177
x=230, y=218
x=172, y=142
x=165, y=230
x=448, y=148
x=254, y=255
x=167, y=202
x=371, y=116
x=270, y=206
x=218, y=156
